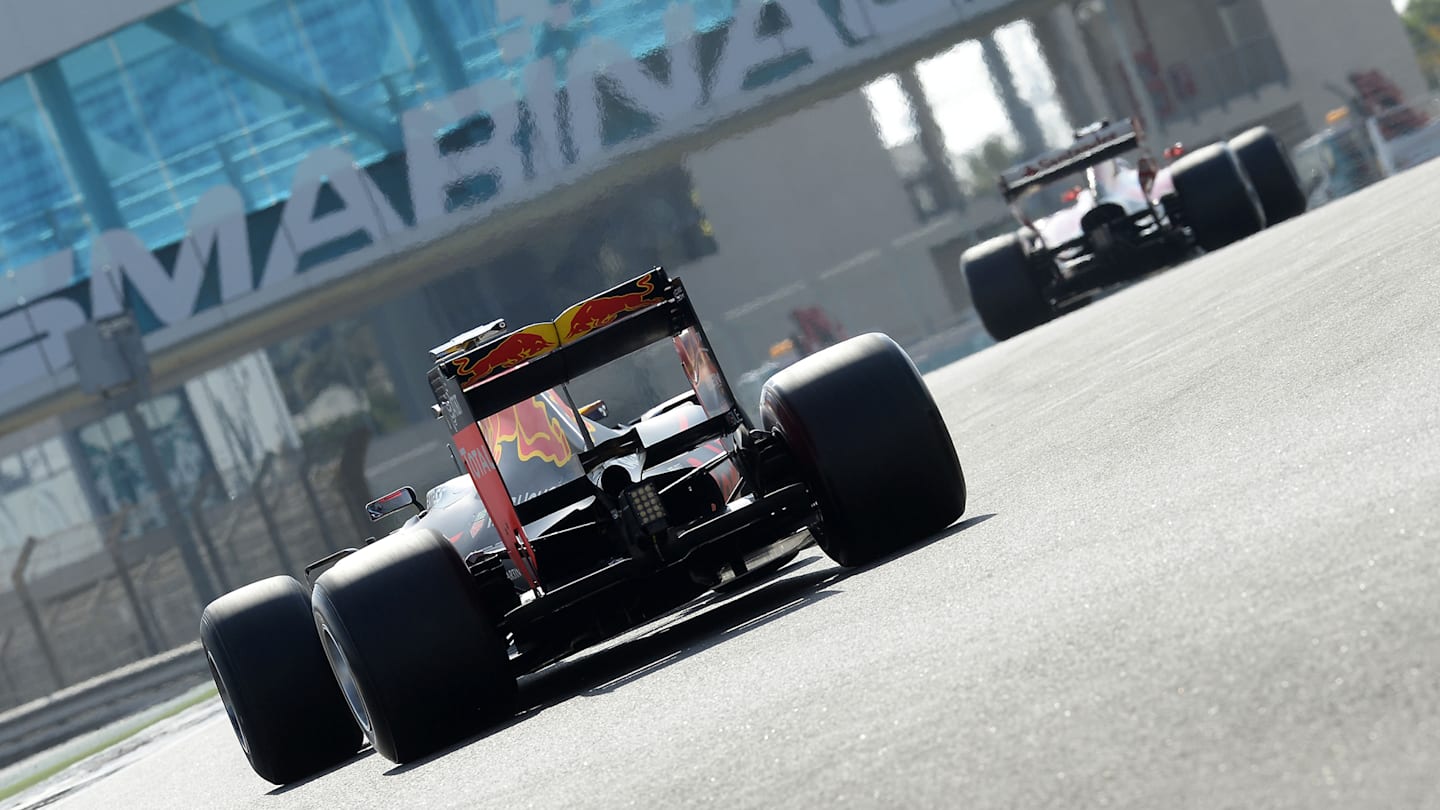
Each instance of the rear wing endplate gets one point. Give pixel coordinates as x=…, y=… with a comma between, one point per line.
x=1090, y=148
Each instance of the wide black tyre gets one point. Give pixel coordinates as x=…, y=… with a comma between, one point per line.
x=283, y=702
x=1219, y=203
x=417, y=655
x=1271, y=172
x=871, y=445
x=1002, y=287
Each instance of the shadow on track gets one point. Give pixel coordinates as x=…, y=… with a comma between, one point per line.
x=686, y=631
x=363, y=753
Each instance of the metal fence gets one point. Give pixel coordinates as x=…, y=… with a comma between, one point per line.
x=93, y=598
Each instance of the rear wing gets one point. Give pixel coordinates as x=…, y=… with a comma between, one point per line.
x=1096, y=146
x=495, y=369
x=484, y=371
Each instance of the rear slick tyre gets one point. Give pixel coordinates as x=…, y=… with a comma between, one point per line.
x=284, y=704
x=1271, y=173
x=418, y=657
x=870, y=444
x=1003, y=289
x=1219, y=203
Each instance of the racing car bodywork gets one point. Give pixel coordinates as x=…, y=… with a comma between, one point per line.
x=1126, y=220
x=564, y=531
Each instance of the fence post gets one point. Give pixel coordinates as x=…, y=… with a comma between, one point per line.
x=32, y=612
x=309, y=486
x=268, y=519
x=350, y=477
x=5, y=636
x=202, y=532
x=111, y=538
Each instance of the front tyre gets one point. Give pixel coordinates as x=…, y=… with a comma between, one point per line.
x=418, y=656
x=283, y=702
x=870, y=443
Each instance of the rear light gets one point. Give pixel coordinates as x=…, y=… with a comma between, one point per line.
x=645, y=503
x=1071, y=195
x=1174, y=151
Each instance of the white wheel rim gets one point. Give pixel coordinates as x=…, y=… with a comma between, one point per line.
x=229, y=707
x=345, y=676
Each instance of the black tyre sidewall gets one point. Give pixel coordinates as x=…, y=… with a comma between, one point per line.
x=1272, y=174
x=276, y=682
x=1220, y=204
x=1002, y=289
x=428, y=660
x=871, y=444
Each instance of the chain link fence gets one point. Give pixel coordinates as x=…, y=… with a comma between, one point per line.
x=96, y=597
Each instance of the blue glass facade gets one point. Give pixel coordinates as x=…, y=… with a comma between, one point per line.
x=128, y=131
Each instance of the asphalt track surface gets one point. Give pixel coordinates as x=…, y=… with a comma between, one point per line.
x=1199, y=569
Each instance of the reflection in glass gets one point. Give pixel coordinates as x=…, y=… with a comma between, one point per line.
x=213, y=92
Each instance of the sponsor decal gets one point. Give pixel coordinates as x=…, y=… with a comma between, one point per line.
x=531, y=429
x=1069, y=154
x=518, y=347
x=602, y=310
x=475, y=455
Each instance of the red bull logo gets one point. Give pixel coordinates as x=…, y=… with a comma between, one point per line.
x=602, y=310
x=523, y=345
x=532, y=428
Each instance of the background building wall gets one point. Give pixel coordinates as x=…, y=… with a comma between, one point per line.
x=1373, y=37
x=791, y=204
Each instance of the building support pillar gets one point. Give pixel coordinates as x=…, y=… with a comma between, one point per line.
x=932, y=142
x=1017, y=110
x=1154, y=127
x=439, y=45
x=53, y=93
x=1068, y=60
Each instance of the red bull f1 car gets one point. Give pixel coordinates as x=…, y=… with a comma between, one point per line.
x=565, y=531
x=1124, y=221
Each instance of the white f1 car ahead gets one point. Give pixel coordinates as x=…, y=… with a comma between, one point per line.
x=1125, y=221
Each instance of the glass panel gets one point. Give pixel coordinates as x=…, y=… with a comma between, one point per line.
x=114, y=459
x=55, y=455
x=109, y=111
x=12, y=474
x=172, y=112
x=114, y=462
x=40, y=211
x=39, y=504
x=177, y=442
x=186, y=124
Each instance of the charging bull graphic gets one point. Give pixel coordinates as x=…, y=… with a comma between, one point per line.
x=525, y=344
x=533, y=429
x=602, y=310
